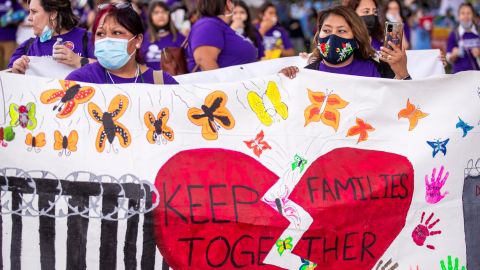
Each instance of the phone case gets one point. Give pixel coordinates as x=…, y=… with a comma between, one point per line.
x=393, y=33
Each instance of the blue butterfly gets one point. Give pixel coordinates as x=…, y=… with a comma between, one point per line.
x=439, y=146
x=464, y=126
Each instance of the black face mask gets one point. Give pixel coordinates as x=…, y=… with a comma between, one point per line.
x=372, y=22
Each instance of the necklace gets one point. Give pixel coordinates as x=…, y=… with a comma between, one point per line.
x=137, y=73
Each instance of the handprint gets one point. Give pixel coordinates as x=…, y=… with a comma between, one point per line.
x=387, y=265
x=450, y=265
x=421, y=232
x=433, y=188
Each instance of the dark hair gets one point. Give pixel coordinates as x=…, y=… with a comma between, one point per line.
x=126, y=17
x=152, y=28
x=360, y=32
x=211, y=8
x=250, y=31
x=378, y=33
x=400, y=6
x=65, y=18
x=264, y=7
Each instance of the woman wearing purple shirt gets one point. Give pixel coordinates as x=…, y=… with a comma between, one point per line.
x=212, y=43
x=343, y=47
x=276, y=41
x=463, y=45
x=161, y=34
x=118, y=35
x=11, y=15
x=53, y=23
x=242, y=24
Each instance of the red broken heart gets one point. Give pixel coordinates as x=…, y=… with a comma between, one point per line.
x=210, y=214
x=359, y=201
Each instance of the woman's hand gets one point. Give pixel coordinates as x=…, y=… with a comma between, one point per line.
x=396, y=58
x=20, y=65
x=475, y=52
x=443, y=58
x=64, y=55
x=290, y=72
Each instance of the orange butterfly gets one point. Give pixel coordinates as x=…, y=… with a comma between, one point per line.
x=65, y=144
x=412, y=114
x=158, y=131
x=212, y=115
x=324, y=108
x=35, y=142
x=361, y=128
x=68, y=97
x=258, y=144
x=111, y=128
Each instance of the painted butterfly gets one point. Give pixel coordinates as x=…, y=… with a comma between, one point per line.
x=307, y=265
x=23, y=115
x=269, y=105
x=412, y=113
x=65, y=144
x=464, y=126
x=158, y=131
x=299, y=162
x=35, y=142
x=283, y=245
x=438, y=146
x=324, y=108
x=362, y=128
x=6, y=135
x=68, y=97
x=111, y=128
x=258, y=145
x=212, y=115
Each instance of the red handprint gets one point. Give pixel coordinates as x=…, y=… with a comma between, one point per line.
x=433, y=188
x=421, y=232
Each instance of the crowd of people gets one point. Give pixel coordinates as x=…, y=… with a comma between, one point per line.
x=130, y=41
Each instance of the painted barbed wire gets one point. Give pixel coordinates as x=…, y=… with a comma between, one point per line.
x=472, y=168
x=122, y=211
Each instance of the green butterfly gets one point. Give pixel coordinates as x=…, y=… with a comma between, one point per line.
x=23, y=115
x=283, y=245
x=299, y=162
x=6, y=135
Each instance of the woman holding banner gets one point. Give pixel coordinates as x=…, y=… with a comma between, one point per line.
x=463, y=45
x=54, y=26
x=343, y=47
x=118, y=36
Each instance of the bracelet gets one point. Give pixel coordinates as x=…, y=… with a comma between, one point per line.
x=404, y=78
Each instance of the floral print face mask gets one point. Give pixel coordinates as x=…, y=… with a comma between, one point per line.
x=335, y=49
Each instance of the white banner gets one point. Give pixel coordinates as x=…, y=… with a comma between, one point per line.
x=326, y=171
x=421, y=64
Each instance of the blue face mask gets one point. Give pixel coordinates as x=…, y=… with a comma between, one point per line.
x=47, y=34
x=112, y=53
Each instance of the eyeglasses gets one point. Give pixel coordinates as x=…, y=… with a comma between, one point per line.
x=117, y=5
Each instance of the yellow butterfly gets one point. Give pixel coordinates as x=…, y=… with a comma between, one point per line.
x=269, y=105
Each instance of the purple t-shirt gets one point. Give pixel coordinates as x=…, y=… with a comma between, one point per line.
x=468, y=61
x=276, y=38
x=95, y=73
x=151, y=51
x=235, y=49
x=8, y=33
x=73, y=40
x=358, y=67
x=376, y=44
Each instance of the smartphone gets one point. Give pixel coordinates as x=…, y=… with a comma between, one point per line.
x=393, y=33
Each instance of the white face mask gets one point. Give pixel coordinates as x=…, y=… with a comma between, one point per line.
x=393, y=17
